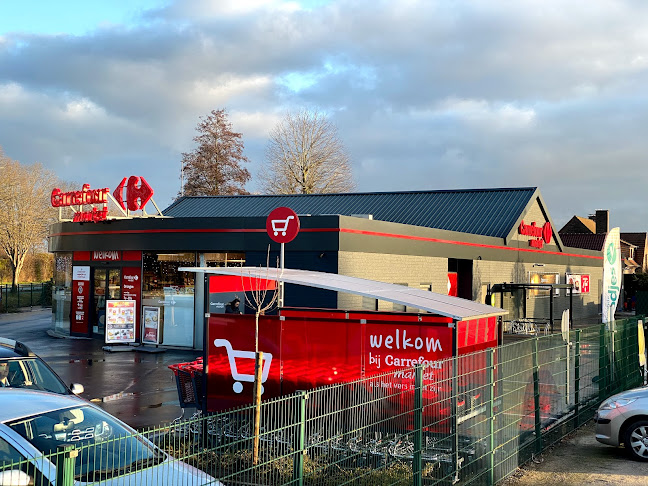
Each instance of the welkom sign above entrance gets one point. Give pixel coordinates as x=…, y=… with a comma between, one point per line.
x=91, y=205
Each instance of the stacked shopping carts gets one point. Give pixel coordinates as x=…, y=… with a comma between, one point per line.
x=189, y=378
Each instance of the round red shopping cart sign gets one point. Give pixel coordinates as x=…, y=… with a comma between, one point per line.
x=282, y=225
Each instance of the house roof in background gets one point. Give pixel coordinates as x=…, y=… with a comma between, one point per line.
x=487, y=212
x=586, y=241
x=588, y=223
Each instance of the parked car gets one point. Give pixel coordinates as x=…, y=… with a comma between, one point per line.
x=35, y=423
x=623, y=419
x=21, y=368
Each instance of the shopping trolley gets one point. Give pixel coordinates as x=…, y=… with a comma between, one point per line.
x=281, y=225
x=189, y=378
x=233, y=354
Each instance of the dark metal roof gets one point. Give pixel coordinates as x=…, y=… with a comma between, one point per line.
x=586, y=241
x=488, y=212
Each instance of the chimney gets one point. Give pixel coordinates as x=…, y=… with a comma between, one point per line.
x=602, y=220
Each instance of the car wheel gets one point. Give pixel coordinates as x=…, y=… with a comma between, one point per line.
x=636, y=440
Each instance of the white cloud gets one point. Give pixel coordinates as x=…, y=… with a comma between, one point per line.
x=486, y=114
x=426, y=94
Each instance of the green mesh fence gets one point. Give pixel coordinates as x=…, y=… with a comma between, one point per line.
x=468, y=420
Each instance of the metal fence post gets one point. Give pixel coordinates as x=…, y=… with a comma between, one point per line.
x=490, y=414
x=18, y=294
x=602, y=377
x=536, y=398
x=300, y=446
x=65, y=465
x=417, y=463
x=577, y=378
x=31, y=295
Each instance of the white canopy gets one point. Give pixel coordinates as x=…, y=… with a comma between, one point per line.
x=443, y=305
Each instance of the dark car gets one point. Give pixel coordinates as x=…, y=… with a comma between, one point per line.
x=21, y=368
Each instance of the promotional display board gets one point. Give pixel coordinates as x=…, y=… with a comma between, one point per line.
x=581, y=283
x=543, y=278
x=612, y=275
x=80, y=300
x=120, y=321
x=151, y=319
x=132, y=290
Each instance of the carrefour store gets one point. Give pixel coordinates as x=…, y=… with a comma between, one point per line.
x=459, y=242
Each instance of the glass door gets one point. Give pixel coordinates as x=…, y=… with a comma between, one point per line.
x=107, y=286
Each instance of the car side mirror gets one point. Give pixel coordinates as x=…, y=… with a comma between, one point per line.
x=14, y=477
x=76, y=388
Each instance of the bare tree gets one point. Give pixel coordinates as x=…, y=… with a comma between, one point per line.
x=305, y=155
x=214, y=168
x=260, y=302
x=25, y=211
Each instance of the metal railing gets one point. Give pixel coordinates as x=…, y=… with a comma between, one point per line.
x=25, y=295
x=467, y=420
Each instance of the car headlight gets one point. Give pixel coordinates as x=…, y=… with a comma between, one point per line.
x=614, y=403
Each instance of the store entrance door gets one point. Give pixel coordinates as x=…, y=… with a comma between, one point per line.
x=107, y=286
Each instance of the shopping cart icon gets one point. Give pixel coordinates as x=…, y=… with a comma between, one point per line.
x=233, y=354
x=281, y=225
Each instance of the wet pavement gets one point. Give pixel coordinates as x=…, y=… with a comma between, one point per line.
x=138, y=387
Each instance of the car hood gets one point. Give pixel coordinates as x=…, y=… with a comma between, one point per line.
x=171, y=471
x=641, y=392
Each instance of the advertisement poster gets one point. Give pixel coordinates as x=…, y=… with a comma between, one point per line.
x=132, y=290
x=120, y=321
x=151, y=334
x=611, y=274
x=581, y=283
x=543, y=278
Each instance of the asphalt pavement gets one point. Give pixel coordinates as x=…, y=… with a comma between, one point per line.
x=138, y=387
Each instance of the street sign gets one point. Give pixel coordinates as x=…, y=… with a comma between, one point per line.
x=282, y=225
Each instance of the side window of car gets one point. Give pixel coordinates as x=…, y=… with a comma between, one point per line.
x=17, y=374
x=15, y=468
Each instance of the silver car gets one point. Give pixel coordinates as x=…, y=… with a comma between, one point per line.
x=623, y=419
x=35, y=423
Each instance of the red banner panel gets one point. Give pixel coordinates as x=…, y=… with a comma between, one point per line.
x=132, y=290
x=80, y=307
x=81, y=256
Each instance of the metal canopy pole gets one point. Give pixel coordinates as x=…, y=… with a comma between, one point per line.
x=281, y=284
x=551, y=306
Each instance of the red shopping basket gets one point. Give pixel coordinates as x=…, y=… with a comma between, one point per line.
x=189, y=378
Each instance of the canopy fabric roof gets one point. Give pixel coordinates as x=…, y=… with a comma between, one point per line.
x=443, y=305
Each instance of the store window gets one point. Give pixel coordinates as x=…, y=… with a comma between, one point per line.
x=62, y=292
x=224, y=259
x=172, y=291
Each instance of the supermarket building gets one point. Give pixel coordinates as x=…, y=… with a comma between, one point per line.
x=456, y=242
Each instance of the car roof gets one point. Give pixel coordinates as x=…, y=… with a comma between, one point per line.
x=13, y=349
x=18, y=403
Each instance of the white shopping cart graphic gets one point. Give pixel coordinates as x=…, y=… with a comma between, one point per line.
x=232, y=354
x=281, y=225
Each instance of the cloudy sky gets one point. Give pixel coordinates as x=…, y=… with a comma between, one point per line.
x=432, y=94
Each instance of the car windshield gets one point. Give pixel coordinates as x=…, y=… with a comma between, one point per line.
x=106, y=447
x=33, y=373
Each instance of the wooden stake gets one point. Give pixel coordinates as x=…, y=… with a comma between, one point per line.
x=257, y=405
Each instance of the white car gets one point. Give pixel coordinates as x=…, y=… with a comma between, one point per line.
x=35, y=423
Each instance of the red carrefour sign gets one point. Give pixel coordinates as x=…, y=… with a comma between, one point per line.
x=539, y=234
x=282, y=225
x=138, y=193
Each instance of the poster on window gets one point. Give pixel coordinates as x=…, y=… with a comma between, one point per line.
x=581, y=283
x=151, y=334
x=120, y=321
x=543, y=278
